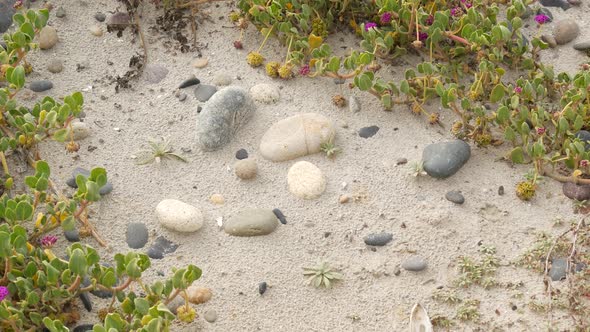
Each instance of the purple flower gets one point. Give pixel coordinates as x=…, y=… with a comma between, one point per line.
x=429, y=20
x=540, y=131
x=584, y=163
x=385, y=18
x=456, y=11
x=542, y=19
x=423, y=36
x=370, y=25
x=304, y=70
x=518, y=89
x=48, y=241
x=3, y=292
x=468, y=5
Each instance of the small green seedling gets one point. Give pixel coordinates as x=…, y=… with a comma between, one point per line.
x=158, y=151
x=321, y=275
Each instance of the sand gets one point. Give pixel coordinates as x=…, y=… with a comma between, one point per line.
x=371, y=297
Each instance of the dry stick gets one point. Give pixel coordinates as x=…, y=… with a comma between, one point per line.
x=31, y=161
x=562, y=178
x=145, y=52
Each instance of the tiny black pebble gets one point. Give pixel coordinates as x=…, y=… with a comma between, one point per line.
x=501, y=190
x=241, y=154
x=189, y=82
x=514, y=307
x=262, y=287
x=480, y=242
x=327, y=234
x=280, y=216
x=199, y=109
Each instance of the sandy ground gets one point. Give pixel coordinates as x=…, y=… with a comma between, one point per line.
x=317, y=230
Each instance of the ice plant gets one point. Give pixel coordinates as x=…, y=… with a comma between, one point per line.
x=3, y=292
x=48, y=241
x=542, y=18
x=370, y=25
x=385, y=18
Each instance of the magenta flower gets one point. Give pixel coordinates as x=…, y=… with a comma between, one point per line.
x=385, y=18
x=304, y=70
x=518, y=89
x=18, y=4
x=48, y=241
x=456, y=11
x=3, y=292
x=466, y=4
x=423, y=36
x=584, y=163
x=540, y=131
x=542, y=19
x=370, y=25
x=429, y=20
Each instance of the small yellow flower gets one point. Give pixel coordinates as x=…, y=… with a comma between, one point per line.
x=286, y=71
x=254, y=59
x=272, y=69
x=186, y=313
x=525, y=190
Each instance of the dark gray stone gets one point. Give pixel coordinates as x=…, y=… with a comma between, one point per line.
x=103, y=294
x=367, y=132
x=262, y=287
x=556, y=3
x=415, y=264
x=6, y=12
x=339, y=81
x=455, y=197
x=84, y=328
x=584, y=136
x=241, y=154
x=182, y=97
x=189, y=82
x=378, y=239
x=40, y=86
x=71, y=182
x=444, y=159
x=558, y=269
x=501, y=190
x=100, y=17
x=161, y=247
x=280, y=216
x=72, y=236
x=118, y=21
x=579, y=192
x=582, y=46
x=137, y=235
x=223, y=115
x=401, y=161
x=203, y=92
x=85, y=298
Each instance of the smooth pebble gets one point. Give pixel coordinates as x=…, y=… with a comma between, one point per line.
x=306, y=180
x=179, y=216
x=251, y=222
x=246, y=169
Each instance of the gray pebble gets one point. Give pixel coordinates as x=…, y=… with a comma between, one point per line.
x=579, y=192
x=367, y=132
x=161, y=247
x=189, y=82
x=262, y=287
x=71, y=182
x=210, y=316
x=444, y=159
x=280, y=216
x=401, y=161
x=40, y=86
x=241, y=154
x=550, y=40
x=100, y=17
x=378, y=239
x=182, y=97
x=72, y=236
x=556, y=3
x=6, y=12
x=565, y=31
x=501, y=190
x=203, y=92
x=55, y=66
x=60, y=12
x=582, y=46
x=558, y=269
x=455, y=197
x=85, y=298
x=137, y=235
x=84, y=328
x=415, y=264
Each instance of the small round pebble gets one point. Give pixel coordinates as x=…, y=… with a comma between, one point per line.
x=501, y=190
x=262, y=287
x=343, y=199
x=55, y=66
x=72, y=236
x=241, y=154
x=367, y=132
x=60, y=12
x=246, y=169
x=280, y=216
x=217, y=199
x=95, y=30
x=210, y=316
x=80, y=130
x=41, y=85
x=455, y=197
x=137, y=235
x=415, y=264
x=378, y=239
x=401, y=161
x=200, y=63
x=100, y=17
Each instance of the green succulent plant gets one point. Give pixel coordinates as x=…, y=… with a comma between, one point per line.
x=158, y=150
x=322, y=275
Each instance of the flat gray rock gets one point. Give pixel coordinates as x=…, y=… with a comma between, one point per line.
x=565, y=31
x=40, y=86
x=378, y=239
x=204, y=92
x=455, y=197
x=161, y=247
x=223, y=115
x=579, y=192
x=558, y=269
x=251, y=222
x=582, y=46
x=444, y=159
x=414, y=264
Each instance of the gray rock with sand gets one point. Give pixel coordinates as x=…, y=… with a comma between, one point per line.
x=296, y=136
x=251, y=222
x=222, y=117
x=444, y=159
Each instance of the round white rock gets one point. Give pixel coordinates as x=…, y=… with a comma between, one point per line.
x=179, y=216
x=306, y=180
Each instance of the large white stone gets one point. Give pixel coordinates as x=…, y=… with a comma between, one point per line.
x=296, y=136
x=179, y=216
x=306, y=180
